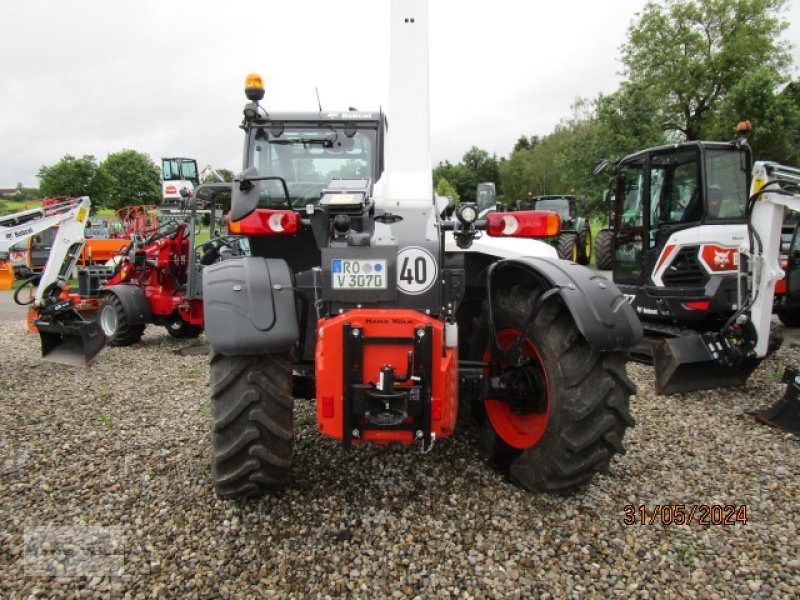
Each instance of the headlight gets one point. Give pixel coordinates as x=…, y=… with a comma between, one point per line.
x=467, y=214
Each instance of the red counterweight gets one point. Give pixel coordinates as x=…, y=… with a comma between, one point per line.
x=385, y=376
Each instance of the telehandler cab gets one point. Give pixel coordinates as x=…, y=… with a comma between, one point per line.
x=357, y=286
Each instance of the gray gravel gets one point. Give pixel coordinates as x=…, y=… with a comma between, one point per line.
x=121, y=450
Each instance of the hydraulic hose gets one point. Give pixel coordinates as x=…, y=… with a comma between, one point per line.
x=30, y=281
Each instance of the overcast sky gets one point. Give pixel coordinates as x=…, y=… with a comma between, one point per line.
x=166, y=77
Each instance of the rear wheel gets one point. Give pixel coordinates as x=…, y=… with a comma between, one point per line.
x=585, y=244
x=251, y=439
x=183, y=330
x=604, y=250
x=567, y=411
x=568, y=247
x=114, y=323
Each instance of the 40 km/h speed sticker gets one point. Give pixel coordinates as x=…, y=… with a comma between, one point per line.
x=416, y=270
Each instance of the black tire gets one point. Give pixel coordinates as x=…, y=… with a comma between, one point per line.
x=789, y=317
x=568, y=246
x=604, y=250
x=183, y=330
x=588, y=397
x=585, y=245
x=251, y=439
x=114, y=323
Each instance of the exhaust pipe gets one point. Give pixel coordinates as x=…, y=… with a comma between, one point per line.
x=703, y=362
x=66, y=337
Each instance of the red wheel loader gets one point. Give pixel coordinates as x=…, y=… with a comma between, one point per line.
x=358, y=287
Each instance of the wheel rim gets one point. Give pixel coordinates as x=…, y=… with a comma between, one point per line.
x=176, y=325
x=517, y=430
x=588, y=248
x=108, y=320
x=574, y=252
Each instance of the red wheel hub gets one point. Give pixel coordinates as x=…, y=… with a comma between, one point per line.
x=517, y=430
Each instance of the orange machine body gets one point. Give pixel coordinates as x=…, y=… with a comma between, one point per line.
x=386, y=339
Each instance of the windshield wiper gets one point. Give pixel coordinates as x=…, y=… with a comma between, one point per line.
x=326, y=141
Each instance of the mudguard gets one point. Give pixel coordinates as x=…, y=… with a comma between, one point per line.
x=249, y=306
x=134, y=302
x=601, y=312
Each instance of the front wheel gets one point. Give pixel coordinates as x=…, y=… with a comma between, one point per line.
x=604, y=250
x=183, y=330
x=564, y=411
x=251, y=439
x=114, y=323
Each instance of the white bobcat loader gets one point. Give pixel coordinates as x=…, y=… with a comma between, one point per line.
x=66, y=337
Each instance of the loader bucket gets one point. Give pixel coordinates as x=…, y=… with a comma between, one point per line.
x=72, y=342
x=685, y=364
x=785, y=413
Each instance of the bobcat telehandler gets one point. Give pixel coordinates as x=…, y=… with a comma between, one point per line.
x=66, y=337
x=360, y=292
x=729, y=355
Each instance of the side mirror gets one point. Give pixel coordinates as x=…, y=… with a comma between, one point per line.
x=600, y=166
x=246, y=193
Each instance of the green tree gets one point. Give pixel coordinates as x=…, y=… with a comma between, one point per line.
x=691, y=53
x=535, y=171
x=26, y=194
x=128, y=177
x=476, y=166
x=775, y=117
x=609, y=127
x=70, y=176
x=226, y=174
x=445, y=188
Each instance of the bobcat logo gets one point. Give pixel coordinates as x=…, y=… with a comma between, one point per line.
x=722, y=259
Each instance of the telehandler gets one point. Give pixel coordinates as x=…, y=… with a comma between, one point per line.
x=357, y=287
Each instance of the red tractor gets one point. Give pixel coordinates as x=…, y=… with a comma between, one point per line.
x=155, y=281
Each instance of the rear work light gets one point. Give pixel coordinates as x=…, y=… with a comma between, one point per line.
x=528, y=223
x=263, y=221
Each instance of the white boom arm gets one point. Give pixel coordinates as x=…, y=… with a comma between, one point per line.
x=406, y=180
x=775, y=188
x=71, y=218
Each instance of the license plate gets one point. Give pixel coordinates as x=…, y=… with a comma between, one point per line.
x=358, y=274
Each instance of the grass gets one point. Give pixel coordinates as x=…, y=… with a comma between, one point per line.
x=105, y=418
x=12, y=206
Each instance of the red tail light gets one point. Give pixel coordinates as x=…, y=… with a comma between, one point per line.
x=529, y=223
x=263, y=221
x=697, y=305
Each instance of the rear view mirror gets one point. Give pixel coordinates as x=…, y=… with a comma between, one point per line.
x=600, y=167
x=246, y=193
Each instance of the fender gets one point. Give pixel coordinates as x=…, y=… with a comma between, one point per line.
x=601, y=312
x=249, y=306
x=134, y=303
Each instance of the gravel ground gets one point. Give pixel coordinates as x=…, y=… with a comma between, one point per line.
x=109, y=467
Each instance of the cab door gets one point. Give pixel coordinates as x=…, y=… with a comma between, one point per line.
x=629, y=223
